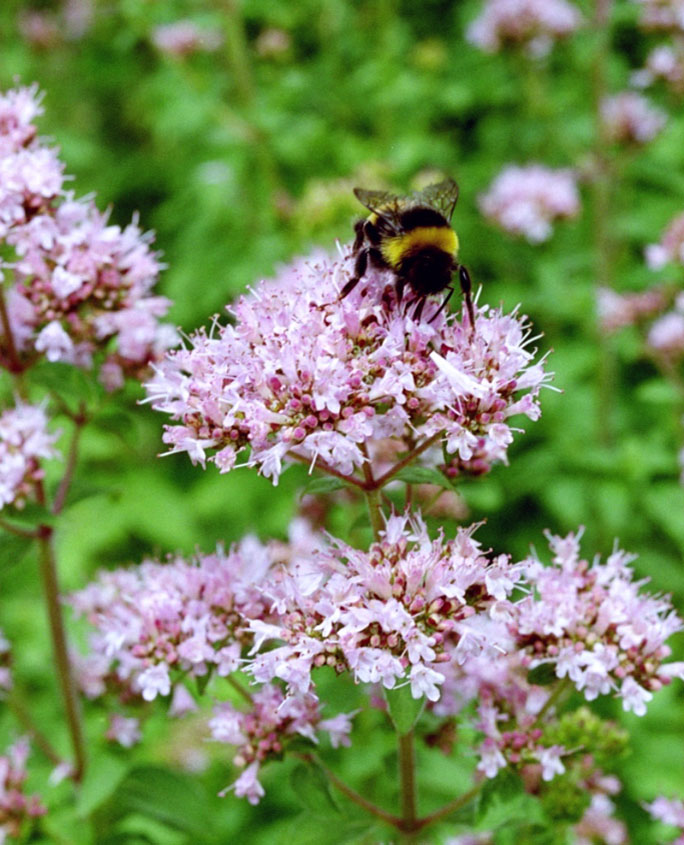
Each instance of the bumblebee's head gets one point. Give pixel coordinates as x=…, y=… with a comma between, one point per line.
x=428, y=270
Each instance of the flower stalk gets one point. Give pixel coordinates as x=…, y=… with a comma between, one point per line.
x=48, y=571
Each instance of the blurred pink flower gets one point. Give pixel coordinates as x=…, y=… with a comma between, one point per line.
x=532, y=24
x=15, y=807
x=629, y=118
x=184, y=37
x=527, y=200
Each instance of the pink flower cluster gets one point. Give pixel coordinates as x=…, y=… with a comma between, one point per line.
x=395, y=614
x=598, y=824
x=669, y=811
x=15, y=807
x=527, y=200
x=670, y=247
x=80, y=284
x=662, y=14
x=629, y=118
x=616, y=310
x=185, y=37
x=532, y=24
x=663, y=62
x=160, y=621
x=593, y=625
x=263, y=731
x=24, y=441
x=304, y=375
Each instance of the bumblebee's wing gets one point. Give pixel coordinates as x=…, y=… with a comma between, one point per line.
x=382, y=203
x=442, y=197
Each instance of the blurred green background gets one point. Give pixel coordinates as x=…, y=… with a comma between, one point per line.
x=243, y=156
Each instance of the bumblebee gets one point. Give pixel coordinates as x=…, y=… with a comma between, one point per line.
x=412, y=237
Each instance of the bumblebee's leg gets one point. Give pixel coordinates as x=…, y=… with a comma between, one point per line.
x=358, y=240
x=366, y=256
x=443, y=305
x=359, y=269
x=399, y=286
x=418, y=310
x=375, y=258
x=466, y=288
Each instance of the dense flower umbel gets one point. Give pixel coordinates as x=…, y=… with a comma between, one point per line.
x=670, y=811
x=15, y=807
x=594, y=626
x=629, y=118
x=80, y=284
x=398, y=612
x=526, y=200
x=187, y=617
x=24, y=441
x=533, y=24
x=264, y=731
x=306, y=374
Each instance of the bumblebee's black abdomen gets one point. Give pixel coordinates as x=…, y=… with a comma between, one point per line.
x=427, y=270
x=421, y=216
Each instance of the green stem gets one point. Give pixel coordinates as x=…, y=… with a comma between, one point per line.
x=407, y=781
x=48, y=571
x=558, y=692
x=65, y=483
x=326, y=468
x=404, y=462
x=451, y=807
x=373, y=500
x=16, y=368
x=237, y=686
x=603, y=181
x=18, y=530
x=16, y=704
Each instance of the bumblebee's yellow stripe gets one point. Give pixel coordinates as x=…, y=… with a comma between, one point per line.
x=441, y=237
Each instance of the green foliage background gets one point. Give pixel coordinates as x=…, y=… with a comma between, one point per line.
x=241, y=159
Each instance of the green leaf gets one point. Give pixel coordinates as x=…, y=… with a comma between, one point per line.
x=103, y=775
x=71, y=384
x=503, y=801
x=201, y=682
x=404, y=709
x=424, y=475
x=13, y=549
x=33, y=514
x=321, y=829
x=324, y=485
x=312, y=788
x=174, y=799
x=542, y=675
